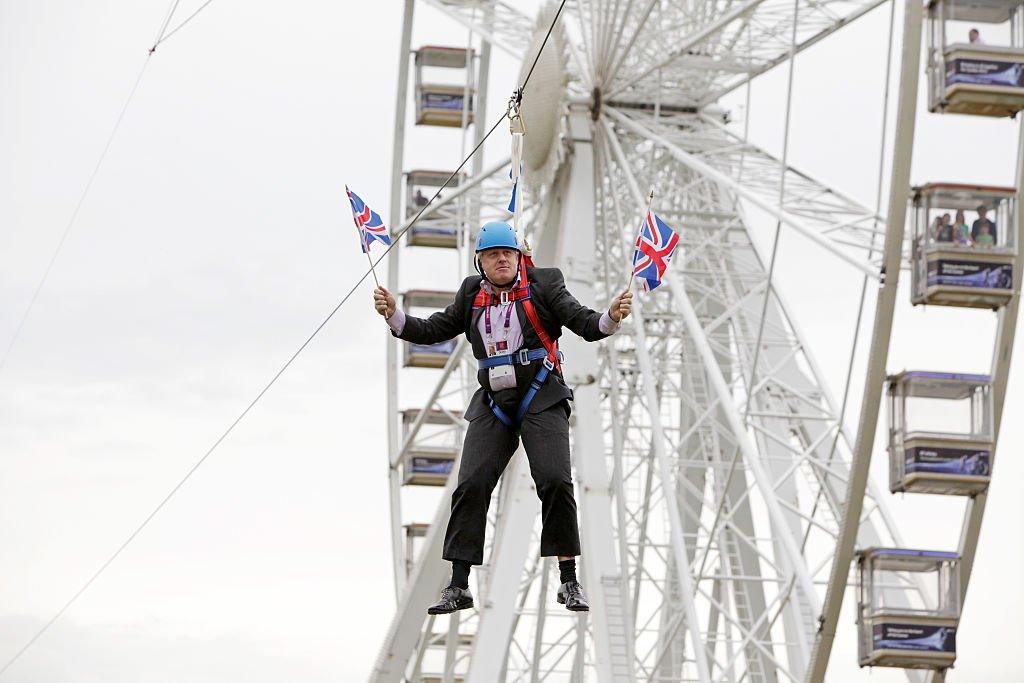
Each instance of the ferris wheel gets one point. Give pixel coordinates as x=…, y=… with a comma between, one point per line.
x=725, y=507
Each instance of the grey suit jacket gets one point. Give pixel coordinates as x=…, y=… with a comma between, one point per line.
x=555, y=307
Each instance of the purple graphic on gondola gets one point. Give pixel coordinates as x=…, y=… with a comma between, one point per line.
x=970, y=274
x=431, y=466
x=966, y=461
x=985, y=72
x=916, y=637
x=444, y=348
x=441, y=100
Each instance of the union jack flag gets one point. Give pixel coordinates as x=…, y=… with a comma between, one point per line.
x=512, y=202
x=371, y=227
x=515, y=189
x=655, y=246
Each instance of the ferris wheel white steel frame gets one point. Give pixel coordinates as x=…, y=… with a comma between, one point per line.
x=720, y=494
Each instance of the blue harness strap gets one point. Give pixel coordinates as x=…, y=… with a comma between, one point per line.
x=520, y=357
x=535, y=385
x=524, y=404
x=499, y=413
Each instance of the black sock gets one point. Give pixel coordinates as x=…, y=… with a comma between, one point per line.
x=460, y=574
x=567, y=570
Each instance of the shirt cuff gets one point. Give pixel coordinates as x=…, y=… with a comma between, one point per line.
x=607, y=325
x=397, y=321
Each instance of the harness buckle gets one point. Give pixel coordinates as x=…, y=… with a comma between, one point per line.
x=524, y=356
x=503, y=296
x=549, y=365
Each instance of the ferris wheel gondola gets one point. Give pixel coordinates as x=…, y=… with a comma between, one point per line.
x=976, y=57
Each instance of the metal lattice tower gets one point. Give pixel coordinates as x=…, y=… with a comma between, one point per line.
x=711, y=465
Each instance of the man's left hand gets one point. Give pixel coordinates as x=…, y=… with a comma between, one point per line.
x=621, y=306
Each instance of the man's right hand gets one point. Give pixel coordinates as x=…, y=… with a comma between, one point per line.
x=384, y=302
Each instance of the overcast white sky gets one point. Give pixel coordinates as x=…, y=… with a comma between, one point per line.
x=216, y=238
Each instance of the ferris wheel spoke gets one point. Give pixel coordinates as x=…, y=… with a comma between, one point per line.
x=599, y=27
x=810, y=219
x=716, y=39
x=587, y=26
x=750, y=457
x=688, y=43
x=833, y=494
x=824, y=31
x=614, y=26
x=618, y=54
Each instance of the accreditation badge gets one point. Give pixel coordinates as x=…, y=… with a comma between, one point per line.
x=500, y=376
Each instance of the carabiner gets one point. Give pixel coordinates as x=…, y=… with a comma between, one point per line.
x=516, y=124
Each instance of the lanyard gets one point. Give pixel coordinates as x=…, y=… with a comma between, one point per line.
x=487, y=319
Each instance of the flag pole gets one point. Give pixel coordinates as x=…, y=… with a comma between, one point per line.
x=362, y=239
x=650, y=200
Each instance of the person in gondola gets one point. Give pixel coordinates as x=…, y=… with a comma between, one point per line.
x=961, y=231
x=512, y=314
x=944, y=233
x=983, y=221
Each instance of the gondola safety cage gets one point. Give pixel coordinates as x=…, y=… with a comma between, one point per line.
x=907, y=629
x=975, y=57
x=429, y=460
x=441, y=99
x=443, y=226
x=940, y=432
x=427, y=355
x=964, y=250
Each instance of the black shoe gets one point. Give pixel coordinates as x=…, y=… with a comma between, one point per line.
x=571, y=595
x=452, y=599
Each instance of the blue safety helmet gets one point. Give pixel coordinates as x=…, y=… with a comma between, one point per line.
x=496, y=234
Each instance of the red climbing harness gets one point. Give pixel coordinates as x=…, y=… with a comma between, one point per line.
x=550, y=354
x=521, y=292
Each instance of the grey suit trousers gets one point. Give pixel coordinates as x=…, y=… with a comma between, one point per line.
x=487, y=448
